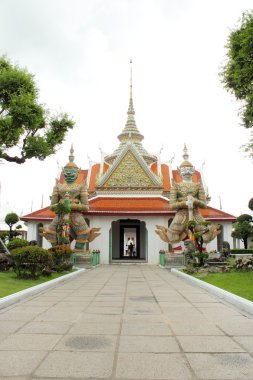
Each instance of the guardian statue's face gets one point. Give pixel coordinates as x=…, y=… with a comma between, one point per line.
x=70, y=174
x=187, y=172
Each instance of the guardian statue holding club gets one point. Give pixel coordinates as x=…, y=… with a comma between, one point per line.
x=186, y=197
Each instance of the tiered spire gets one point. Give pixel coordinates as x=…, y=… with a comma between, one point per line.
x=130, y=133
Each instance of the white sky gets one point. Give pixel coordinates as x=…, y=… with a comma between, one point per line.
x=79, y=52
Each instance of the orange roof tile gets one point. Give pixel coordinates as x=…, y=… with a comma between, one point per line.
x=150, y=206
x=166, y=177
x=44, y=214
x=94, y=173
x=210, y=213
x=115, y=204
x=153, y=167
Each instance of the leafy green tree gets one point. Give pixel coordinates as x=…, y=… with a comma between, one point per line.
x=24, y=123
x=11, y=219
x=244, y=217
x=243, y=229
x=237, y=73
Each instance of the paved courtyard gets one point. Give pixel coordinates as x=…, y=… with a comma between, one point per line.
x=125, y=322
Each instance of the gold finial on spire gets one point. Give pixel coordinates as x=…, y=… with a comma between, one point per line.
x=131, y=80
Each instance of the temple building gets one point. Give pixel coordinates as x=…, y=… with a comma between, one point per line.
x=129, y=194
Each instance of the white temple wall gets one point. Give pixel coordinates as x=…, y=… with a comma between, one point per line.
x=102, y=241
x=31, y=231
x=154, y=243
x=227, y=230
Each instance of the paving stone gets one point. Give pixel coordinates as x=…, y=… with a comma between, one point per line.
x=8, y=327
x=104, y=310
x=193, y=328
x=209, y=344
x=153, y=344
x=76, y=364
x=89, y=317
x=60, y=316
x=3, y=337
x=108, y=303
x=40, y=327
x=19, y=363
x=12, y=315
x=144, y=318
x=95, y=328
x=222, y=366
x=246, y=342
x=102, y=343
x=75, y=299
x=145, y=329
x=239, y=326
x=36, y=342
x=152, y=366
x=71, y=305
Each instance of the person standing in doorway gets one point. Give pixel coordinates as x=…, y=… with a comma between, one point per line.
x=130, y=246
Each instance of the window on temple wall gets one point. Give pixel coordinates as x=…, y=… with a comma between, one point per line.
x=39, y=238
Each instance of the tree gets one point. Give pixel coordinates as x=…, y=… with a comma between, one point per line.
x=237, y=74
x=11, y=219
x=243, y=229
x=244, y=217
x=250, y=205
x=24, y=123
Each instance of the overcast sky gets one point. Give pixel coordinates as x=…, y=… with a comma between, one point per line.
x=79, y=52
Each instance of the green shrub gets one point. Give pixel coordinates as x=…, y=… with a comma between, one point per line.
x=61, y=257
x=238, y=251
x=30, y=261
x=17, y=243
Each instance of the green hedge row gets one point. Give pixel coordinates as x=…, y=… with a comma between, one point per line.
x=238, y=251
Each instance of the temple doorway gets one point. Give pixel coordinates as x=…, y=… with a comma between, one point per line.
x=129, y=240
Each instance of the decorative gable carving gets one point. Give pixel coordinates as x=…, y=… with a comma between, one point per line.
x=129, y=173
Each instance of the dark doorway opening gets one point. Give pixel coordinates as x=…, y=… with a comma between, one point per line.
x=128, y=240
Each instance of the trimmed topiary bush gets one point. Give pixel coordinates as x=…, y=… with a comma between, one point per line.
x=30, y=261
x=61, y=255
x=17, y=243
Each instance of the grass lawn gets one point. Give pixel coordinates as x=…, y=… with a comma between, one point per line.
x=239, y=283
x=9, y=284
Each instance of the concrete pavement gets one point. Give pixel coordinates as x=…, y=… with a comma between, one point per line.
x=125, y=322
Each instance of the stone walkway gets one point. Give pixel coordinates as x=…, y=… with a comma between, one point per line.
x=125, y=322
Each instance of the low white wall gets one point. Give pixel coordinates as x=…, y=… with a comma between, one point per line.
x=154, y=242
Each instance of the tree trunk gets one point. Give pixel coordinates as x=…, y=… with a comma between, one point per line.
x=245, y=242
